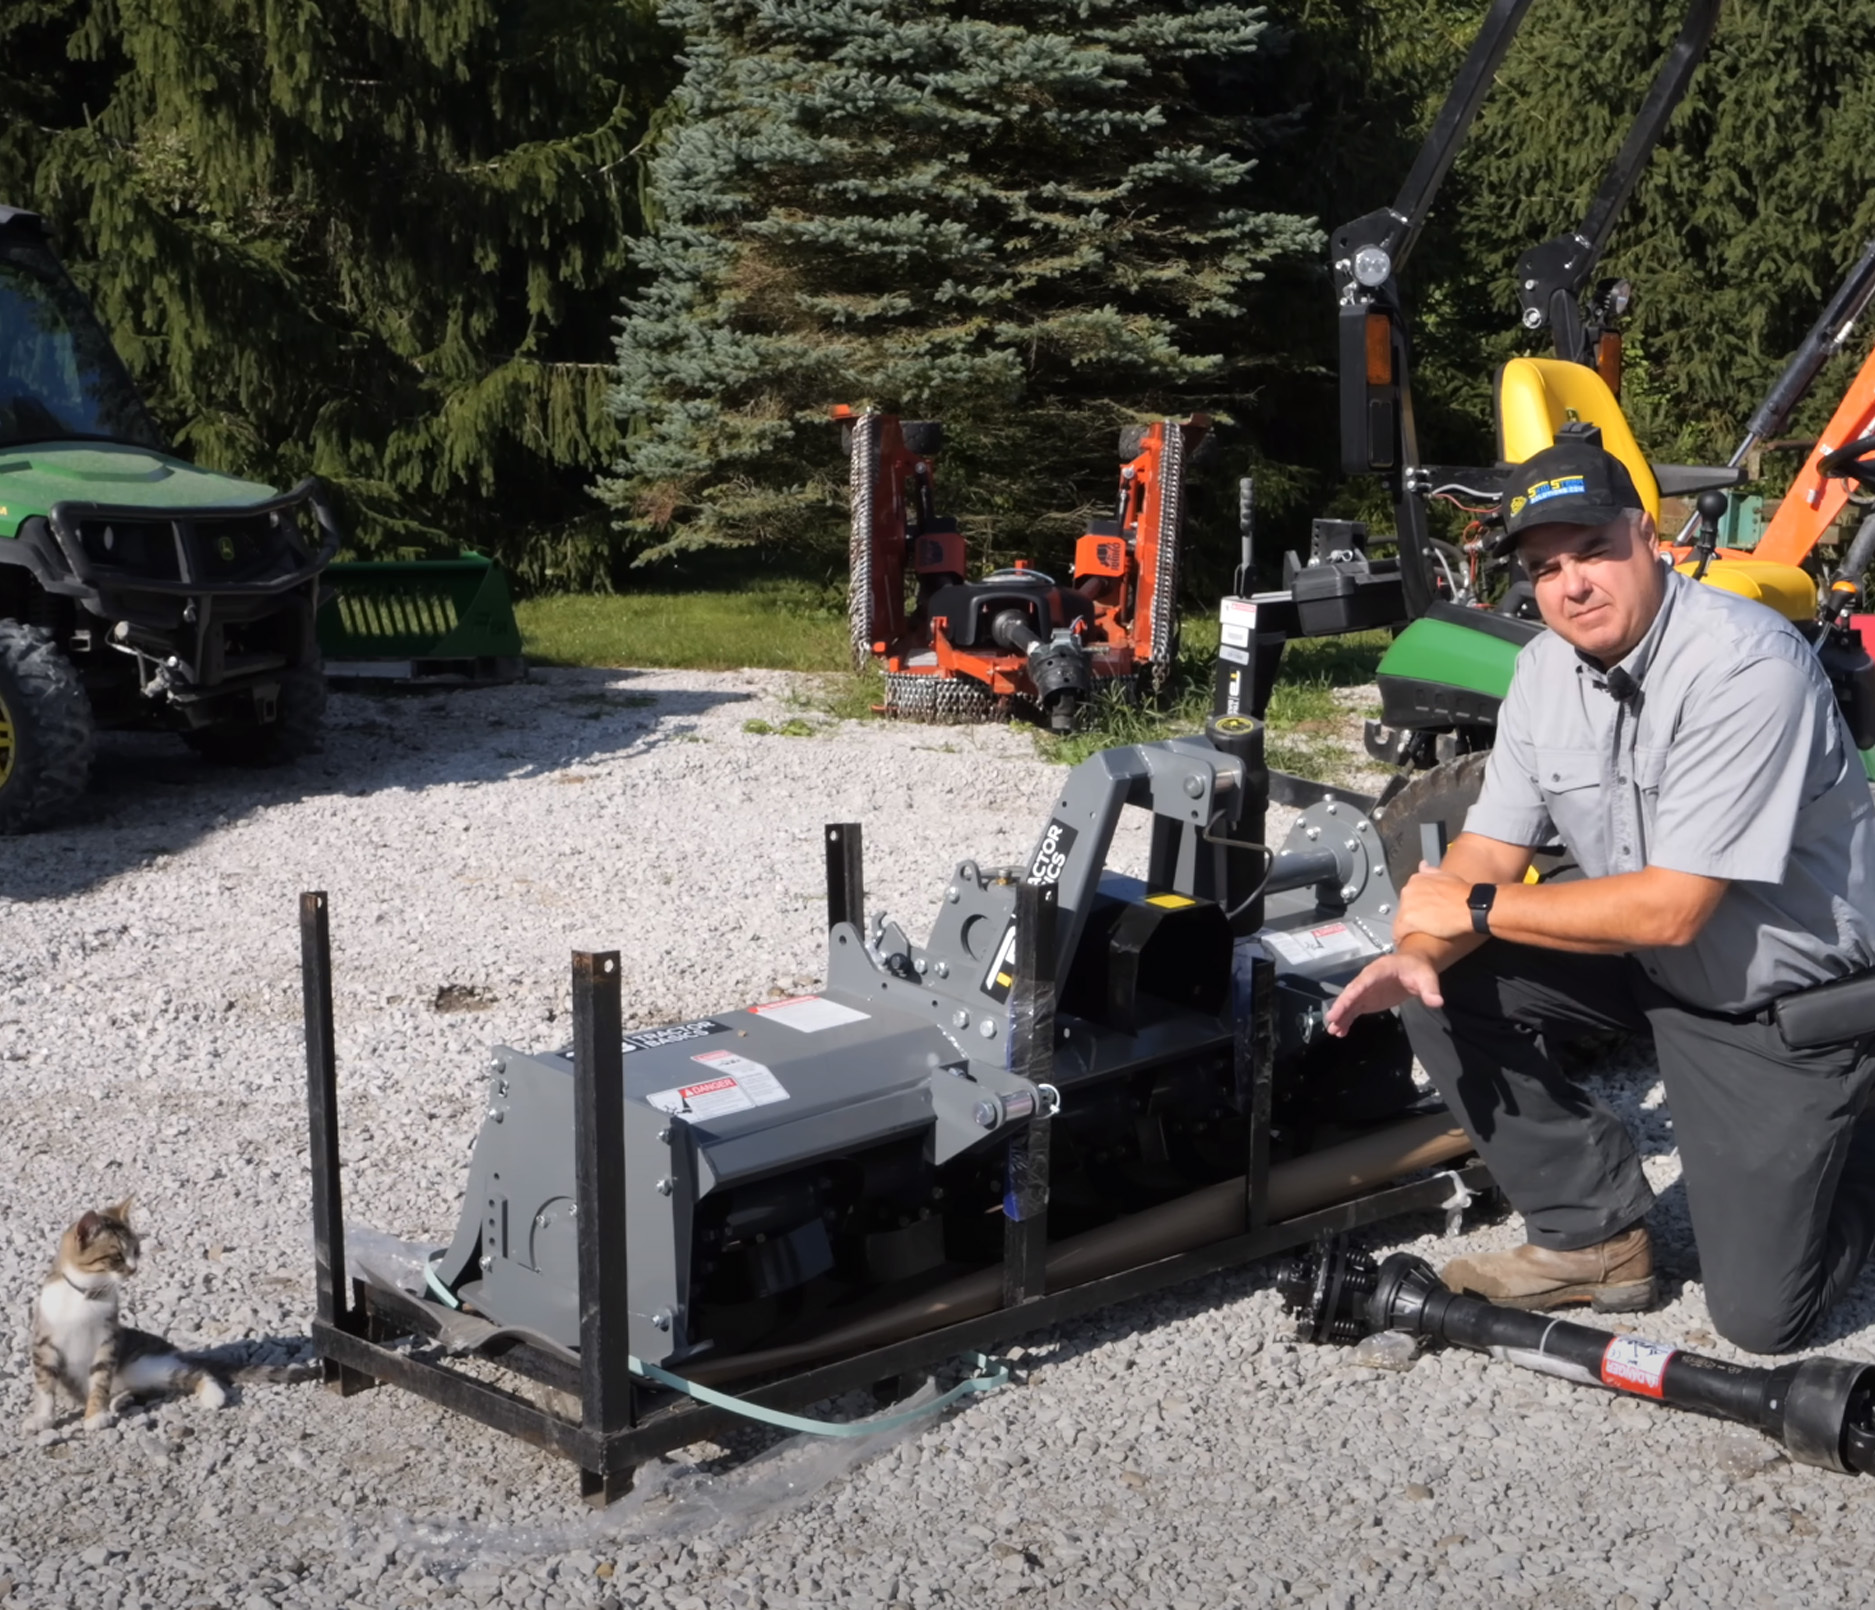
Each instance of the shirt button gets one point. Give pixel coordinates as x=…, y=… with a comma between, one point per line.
x=1621, y=777
x=1624, y=849
x=1555, y=777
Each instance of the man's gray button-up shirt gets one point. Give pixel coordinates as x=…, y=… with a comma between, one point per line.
x=1726, y=757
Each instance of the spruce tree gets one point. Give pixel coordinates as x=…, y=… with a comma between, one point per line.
x=1035, y=220
x=372, y=240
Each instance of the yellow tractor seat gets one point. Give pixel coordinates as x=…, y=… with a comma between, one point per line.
x=1787, y=589
x=1536, y=397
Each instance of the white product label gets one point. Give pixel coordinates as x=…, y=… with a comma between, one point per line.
x=1236, y=656
x=1237, y=614
x=1333, y=941
x=808, y=1013
x=736, y=1085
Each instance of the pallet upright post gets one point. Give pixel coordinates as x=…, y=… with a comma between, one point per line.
x=322, y=1107
x=1032, y=1056
x=606, y=1403
x=846, y=877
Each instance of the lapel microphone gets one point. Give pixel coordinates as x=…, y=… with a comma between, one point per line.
x=1621, y=687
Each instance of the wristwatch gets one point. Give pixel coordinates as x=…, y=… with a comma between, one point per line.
x=1480, y=898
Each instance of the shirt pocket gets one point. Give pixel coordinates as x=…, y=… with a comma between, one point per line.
x=1563, y=774
x=1571, y=783
x=1650, y=765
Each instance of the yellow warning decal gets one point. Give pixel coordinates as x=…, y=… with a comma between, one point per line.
x=1170, y=901
x=1005, y=979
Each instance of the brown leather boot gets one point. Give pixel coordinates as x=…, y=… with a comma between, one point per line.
x=1613, y=1277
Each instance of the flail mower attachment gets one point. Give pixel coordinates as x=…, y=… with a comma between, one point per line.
x=956, y=649
x=1822, y=1410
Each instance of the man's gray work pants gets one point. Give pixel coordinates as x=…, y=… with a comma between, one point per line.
x=1780, y=1178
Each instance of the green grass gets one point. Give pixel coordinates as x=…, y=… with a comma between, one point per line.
x=768, y=624
x=795, y=625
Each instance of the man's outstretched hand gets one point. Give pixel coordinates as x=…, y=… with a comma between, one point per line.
x=1382, y=985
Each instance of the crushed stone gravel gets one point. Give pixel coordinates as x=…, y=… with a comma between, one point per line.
x=1175, y=1451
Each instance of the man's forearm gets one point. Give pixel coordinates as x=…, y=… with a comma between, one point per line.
x=1602, y=916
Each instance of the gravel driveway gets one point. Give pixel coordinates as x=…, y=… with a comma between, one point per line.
x=1178, y=1451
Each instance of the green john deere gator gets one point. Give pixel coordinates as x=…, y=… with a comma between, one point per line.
x=136, y=590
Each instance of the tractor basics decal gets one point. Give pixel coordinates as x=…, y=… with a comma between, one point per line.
x=1001, y=977
x=1051, y=855
x=673, y=1034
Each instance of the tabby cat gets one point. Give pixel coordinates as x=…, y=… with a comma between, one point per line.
x=82, y=1350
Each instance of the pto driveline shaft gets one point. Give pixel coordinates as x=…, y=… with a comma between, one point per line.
x=1821, y=1409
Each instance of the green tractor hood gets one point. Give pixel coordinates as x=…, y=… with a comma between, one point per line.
x=36, y=475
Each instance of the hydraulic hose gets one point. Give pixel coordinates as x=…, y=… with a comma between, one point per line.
x=1211, y=1214
x=1821, y=1409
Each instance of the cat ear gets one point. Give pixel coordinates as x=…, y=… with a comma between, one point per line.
x=87, y=1227
x=121, y=1212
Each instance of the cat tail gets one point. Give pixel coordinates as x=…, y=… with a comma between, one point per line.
x=218, y=1365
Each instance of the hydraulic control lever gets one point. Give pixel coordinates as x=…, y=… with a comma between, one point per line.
x=1821, y=1409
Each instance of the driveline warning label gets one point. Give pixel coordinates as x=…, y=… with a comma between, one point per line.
x=673, y=1034
x=1630, y=1364
x=807, y=1013
x=1330, y=942
x=735, y=1085
x=1236, y=622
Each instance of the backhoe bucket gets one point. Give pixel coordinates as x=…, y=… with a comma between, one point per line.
x=426, y=620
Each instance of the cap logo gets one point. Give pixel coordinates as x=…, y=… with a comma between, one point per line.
x=1516, y=505
x=1561, y=487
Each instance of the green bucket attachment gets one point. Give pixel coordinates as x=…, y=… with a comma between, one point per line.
x=420, y=620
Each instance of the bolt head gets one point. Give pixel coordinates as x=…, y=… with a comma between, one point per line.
x=1532, y=317
x=1348, y=891
x=1386, y=910
x=950, y=894
x=666, y=1186
x=988, y=1114
x=943, y=969
x=960, y=1020
x=661, y=1320
x=487, y=1262
x=987, y=1028
x=1194, y=785
x=1332, y=807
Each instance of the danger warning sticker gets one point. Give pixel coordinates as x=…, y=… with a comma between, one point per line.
x=736, y=1085
x=1630, y=1364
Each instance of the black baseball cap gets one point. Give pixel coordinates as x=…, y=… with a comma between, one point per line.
x=1575, y=481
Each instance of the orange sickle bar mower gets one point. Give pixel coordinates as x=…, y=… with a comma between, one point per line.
x=1016, y=641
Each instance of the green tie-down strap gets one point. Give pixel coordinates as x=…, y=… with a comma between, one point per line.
x=991, y=1373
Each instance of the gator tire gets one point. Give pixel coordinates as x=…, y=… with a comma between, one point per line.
x=1443, y=794
x=45, y=729
x=297, y=730
x=1446, y=793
